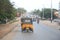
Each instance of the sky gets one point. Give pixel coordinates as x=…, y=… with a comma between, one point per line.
x=30, y=5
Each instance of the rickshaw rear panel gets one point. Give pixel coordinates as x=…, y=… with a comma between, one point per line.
x=26, y=24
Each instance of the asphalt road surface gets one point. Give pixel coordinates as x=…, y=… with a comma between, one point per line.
x=41, y=32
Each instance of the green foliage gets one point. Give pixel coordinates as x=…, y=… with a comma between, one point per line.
x=47, y=13
x=37, y=12
x=21, y=10
x=6, y=10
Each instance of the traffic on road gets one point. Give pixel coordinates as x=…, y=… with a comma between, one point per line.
x=41, y=32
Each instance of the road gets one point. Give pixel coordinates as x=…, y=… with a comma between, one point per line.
x=41, y=32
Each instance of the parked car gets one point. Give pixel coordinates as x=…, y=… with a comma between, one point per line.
x=56, y=20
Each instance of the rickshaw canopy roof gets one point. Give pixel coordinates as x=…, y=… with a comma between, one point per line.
x=26, y=20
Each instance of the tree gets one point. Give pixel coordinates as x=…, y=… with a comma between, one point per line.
x=47, y=13
x=6, y=10
x=21, y=10
x=37, y=12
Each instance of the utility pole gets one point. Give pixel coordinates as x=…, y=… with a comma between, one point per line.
x=43, y=12
x=59, y=7
x=59, y=10
x=51, y=12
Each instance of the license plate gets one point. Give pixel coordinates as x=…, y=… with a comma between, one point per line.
x=27, y=28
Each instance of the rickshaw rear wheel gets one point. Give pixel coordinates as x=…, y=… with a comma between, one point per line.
x=32, y=30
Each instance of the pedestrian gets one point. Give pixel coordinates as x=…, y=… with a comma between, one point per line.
x=38, y=20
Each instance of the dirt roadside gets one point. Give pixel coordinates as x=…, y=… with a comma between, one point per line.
x=49, y=24
x=6, y=28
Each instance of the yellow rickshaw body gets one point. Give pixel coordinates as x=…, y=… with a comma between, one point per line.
x=26, y=25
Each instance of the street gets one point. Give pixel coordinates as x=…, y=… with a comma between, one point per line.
x=41, y=32
x=29, y=19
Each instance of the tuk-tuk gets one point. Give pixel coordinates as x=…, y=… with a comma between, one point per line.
x=26, y=24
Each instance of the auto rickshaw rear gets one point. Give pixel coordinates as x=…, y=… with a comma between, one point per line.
x=26, y=24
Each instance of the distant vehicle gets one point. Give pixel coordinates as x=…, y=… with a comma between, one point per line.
x=34, y=19
x=43, y=18
x=56, y=20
